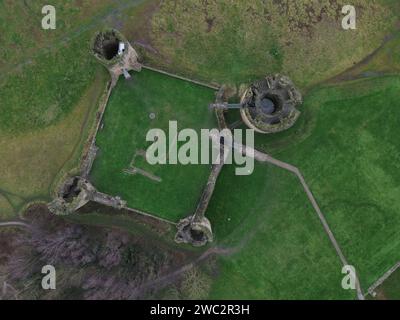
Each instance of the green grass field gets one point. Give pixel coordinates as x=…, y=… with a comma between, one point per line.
x=345, y=143
x=351, y=160
x=282, y=250
x=126, y=123
x=346, y=146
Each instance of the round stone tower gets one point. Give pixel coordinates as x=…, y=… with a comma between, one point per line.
x=270, y=105
x=194, y=230
x=114, y=51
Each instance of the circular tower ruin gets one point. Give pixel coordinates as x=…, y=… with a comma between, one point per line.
x=194, y=230
x=114, y=51
x=270, y=105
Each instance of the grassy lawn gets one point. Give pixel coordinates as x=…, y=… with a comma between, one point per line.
x=349, y=154
x=345, y=144
x=126, y=123
x=283, y=252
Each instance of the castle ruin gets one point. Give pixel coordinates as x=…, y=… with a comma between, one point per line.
x=113, y=51
x=267, y=106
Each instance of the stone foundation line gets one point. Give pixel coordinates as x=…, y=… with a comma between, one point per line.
x=387, y=274
x=90, y=156
x=149, y=215
x=203, y=84
x=196, y=228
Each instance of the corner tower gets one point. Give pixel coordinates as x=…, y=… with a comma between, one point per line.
x=114, y=51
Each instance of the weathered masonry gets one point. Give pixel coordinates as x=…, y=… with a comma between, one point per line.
x=267, y=106
x=115, y=52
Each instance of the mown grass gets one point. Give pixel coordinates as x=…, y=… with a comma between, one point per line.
x=350, y=157
x=126, y=123
x=280, y=250
x=345, y=145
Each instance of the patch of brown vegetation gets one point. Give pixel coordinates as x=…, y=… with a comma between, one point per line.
x=92, y=262
x=154, y=224
x=7, y=238
x=137, y=26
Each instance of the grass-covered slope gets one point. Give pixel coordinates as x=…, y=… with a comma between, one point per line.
x=238, y=41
